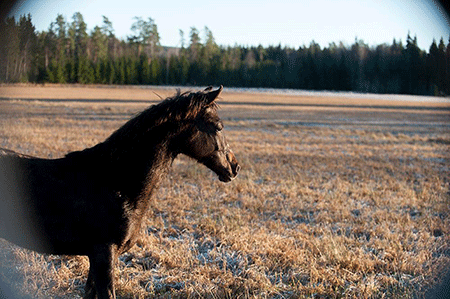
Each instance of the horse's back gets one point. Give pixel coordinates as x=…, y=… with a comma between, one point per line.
x=52, y=206
x=16, y=222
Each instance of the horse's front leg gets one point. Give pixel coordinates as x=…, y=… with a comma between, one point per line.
x=100, y=279
x=89, y=289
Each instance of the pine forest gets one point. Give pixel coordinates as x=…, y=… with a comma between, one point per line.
x=68, y=53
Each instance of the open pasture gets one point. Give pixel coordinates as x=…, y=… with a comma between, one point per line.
x=337, y=198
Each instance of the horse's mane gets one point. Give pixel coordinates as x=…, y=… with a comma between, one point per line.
x=180, y=107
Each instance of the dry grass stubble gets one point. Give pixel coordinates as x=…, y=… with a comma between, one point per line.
x=329, y=203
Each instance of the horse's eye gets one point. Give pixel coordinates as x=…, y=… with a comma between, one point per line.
x=219, y=126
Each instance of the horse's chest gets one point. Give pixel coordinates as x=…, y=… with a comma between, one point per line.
x=131, y=230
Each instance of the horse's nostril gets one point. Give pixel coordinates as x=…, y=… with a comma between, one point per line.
x=238, y=168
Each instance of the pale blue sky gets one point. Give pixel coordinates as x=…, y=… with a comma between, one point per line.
x=291, y=23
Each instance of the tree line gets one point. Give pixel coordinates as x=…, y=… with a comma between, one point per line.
x=68, y=53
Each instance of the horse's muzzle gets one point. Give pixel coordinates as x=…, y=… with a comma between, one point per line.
x=234, y=168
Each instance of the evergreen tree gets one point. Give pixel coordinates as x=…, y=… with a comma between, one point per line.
x=85, y=71
x=413, y=67
x=27, y=46
x=447, y=69
x=99, y=42
x=182, y=41
x=110, y=73
x=441, y=68
x=432, y=66
x=155, y=72
x=80, y=35
x=195, y=45
x=145, y=34
x=144, y=72
x=59, y=28
x=184, y=69
x=10, y=45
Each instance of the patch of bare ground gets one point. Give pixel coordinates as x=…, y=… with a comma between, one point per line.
x=336, y=198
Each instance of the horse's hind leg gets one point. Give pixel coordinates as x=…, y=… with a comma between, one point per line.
x=100, y=280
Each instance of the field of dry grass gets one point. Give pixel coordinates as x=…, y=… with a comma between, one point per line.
x=337, y=198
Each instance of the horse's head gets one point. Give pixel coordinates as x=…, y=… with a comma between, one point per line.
x=205, y=141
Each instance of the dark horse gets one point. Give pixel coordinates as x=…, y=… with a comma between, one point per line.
x=92, y=202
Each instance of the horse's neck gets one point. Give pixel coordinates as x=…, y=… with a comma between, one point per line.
x=140, y=165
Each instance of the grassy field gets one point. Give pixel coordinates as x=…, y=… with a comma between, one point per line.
x=337, y=198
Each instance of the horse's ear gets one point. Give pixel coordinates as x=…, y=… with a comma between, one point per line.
x=212, y=95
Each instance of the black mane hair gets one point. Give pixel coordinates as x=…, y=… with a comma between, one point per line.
x=177, y=110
